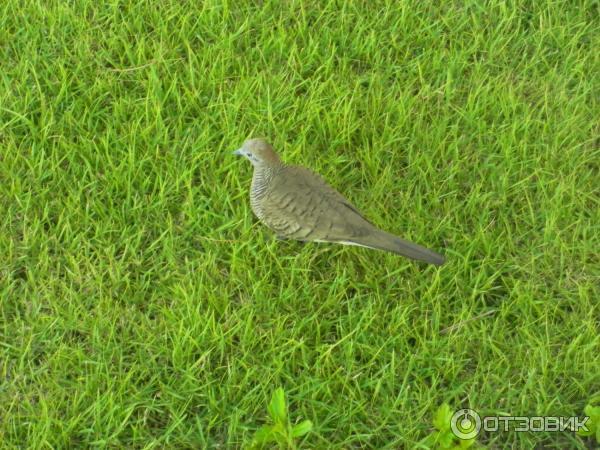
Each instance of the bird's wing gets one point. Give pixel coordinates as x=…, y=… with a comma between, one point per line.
x=301, y=205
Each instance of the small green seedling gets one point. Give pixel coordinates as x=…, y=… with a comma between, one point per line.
x=444, y=438
x=593, y=423
x=281, y=431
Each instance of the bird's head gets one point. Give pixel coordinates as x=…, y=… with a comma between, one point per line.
x=259, y=152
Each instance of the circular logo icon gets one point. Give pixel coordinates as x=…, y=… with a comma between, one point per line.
x=465, y=424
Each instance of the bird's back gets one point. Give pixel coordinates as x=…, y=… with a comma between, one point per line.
x=298, y=204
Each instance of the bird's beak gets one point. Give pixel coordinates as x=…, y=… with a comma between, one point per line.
x=238, y=152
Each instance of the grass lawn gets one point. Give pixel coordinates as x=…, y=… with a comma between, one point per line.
x=143, y=306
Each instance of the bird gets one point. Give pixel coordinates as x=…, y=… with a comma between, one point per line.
x=299, y=204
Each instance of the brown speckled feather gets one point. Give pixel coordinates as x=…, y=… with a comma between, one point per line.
x=301, y=205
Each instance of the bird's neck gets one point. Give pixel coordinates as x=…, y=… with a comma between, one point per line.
x=262, y=177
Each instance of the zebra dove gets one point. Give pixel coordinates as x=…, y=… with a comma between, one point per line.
x=298, y=204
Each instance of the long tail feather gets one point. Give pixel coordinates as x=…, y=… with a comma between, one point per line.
x=391, y=243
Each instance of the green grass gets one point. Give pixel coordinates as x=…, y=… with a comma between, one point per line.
x=142, y=305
